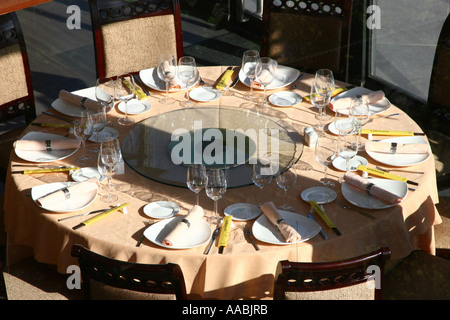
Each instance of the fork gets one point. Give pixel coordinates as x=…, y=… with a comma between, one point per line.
x=249, y=234
x=400, y=170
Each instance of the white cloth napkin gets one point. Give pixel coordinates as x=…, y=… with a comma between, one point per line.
x=77, y=100
x=288, y=232
x=177, y=233
x=374, y=190
x=370, y=98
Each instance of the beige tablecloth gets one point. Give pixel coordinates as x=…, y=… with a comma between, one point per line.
x=241, y=271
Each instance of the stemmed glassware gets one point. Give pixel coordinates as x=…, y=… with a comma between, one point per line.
x=82, y=130
x=108, y=161
x=167, y=70
x=249, y=61
x=360, y=112
x=125, y=91
x=319, y=101
x=98, y=122
x=344, y=121
x=324, y=86
x=187, y=72
x=325, y=153
x=216, y=186
x=196, y=179
x=285, y=180
x=265, y=73
x=262, y=173
x=348, y=148
x=105, y=92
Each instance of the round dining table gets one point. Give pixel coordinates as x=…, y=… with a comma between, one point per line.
x=240, y=271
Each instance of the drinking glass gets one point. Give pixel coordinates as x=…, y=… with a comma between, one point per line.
x=324, y=82
x=325, y=152
x=320, y=102
x=265, y=73
x=196, y=179
x=187, y=72
x=216, y=186
x=262, y=174
x=98, y=121
x=360, y=112
x=344, y=121
x=167, y=70
x=348, y=149
x=249, y=60
x=285, y=180
x=105, y=92
x=82, y=130
x=125, y=91
x=108, y=160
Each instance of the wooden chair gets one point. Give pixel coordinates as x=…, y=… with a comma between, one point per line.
x=308, y=34
x=106, y=278
x=3, y=292
x=129, y=36
x=419, y=276
x=344, y=279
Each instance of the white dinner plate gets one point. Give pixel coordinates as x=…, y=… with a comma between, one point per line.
x=150, y=78
x=284, y=76
x=107, y=134
x=332, y=128
x=374, y=108
x=197, y=235
x=321, y=195
x=135, y=106
x=85, y=173
x=70, y=109
x=205, y=94
x=242, y=211
x=285, y=99
x=340, y=164
x=69, y=205
x=43, y=156
x=361, y=199
x=266, y=231
x=401, y=160
x=161, y=209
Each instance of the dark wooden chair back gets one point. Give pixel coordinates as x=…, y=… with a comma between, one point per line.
x=308, y=35
x=296, y=278
x=157, y=281
x=3, y=292
x=130, y=36
x=16, y=98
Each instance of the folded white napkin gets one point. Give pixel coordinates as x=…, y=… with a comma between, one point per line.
x=370, y=98
x=397, y=148
x=71, y=192
x=80, y=101
x=288, y=232
x=370, y=188
x=46, y=145
x=177, y=233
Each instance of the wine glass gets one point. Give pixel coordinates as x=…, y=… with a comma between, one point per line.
x=216, y=186
x=125, y=91
x=249, y=60
x=98, y=121
x=167, y=70
x=187, y=72
x=108, y=160
x=105, y=92
x=285, y=180
x=344, y=121
x=360, y=112
x=262, y=173
x=196, y=179
x=265, y=73
x=324, y=82
x=320, y=102
x=325, y=153
x=347, y=149
x=82, y=130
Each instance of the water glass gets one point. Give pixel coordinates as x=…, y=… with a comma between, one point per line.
x=216, y=186
x=249, y=60
x=167, y=70
x=285, y=180
x=125, y=91
x=82, y=130
x=196, y=179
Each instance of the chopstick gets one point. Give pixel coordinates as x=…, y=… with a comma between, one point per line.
x=324, y=217
x=324, y=236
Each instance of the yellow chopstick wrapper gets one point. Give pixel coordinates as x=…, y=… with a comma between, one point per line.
x=139, y=93
x=387, y=132
x=225, y=231
x=324, y=217
x=225, y=79
x=100, y=216
x=334, y=93
x=381, y=173
x=49, y=170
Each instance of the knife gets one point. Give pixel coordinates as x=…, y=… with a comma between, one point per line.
x=47, y=124
x=83, y=214
x=58, y=117
x=235, y=81
x=138, y=80
x=213, y=238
